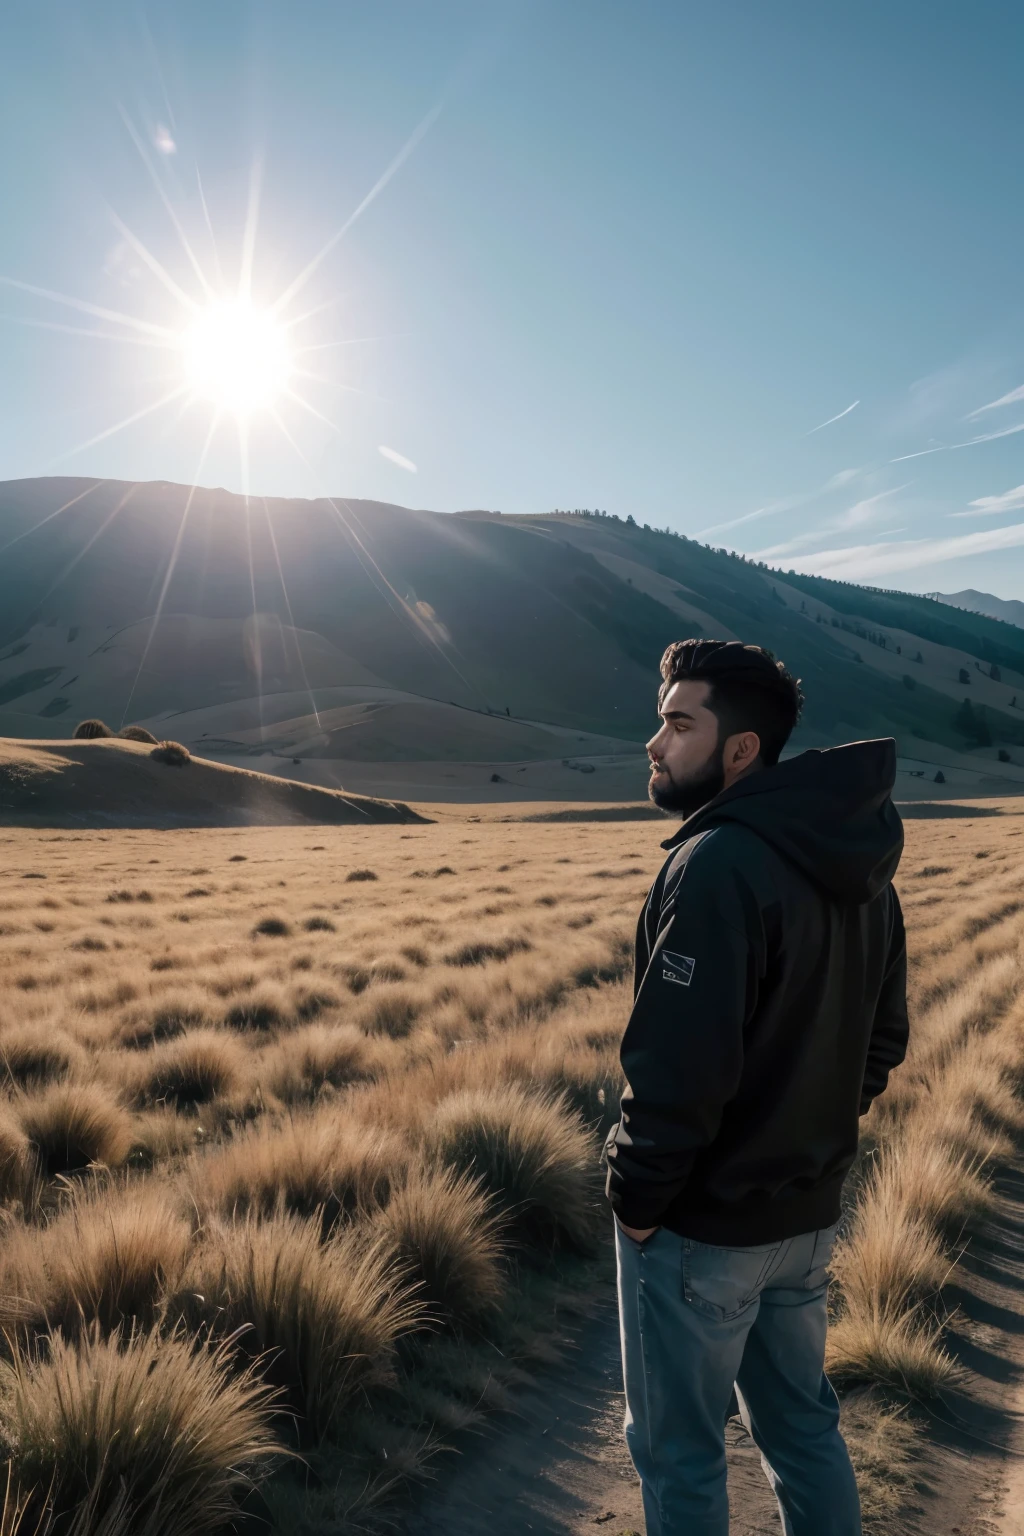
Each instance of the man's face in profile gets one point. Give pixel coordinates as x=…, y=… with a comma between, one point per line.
x=686, y=754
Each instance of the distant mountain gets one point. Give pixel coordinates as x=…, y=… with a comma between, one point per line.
x=359, y=630
x=1008, y=609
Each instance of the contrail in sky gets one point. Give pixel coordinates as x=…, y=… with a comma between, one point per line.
x=831, y=419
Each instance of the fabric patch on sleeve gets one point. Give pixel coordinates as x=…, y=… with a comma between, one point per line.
x=677, y=968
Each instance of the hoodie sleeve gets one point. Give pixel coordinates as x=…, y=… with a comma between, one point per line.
x=891, y=1029
x=682, y=1052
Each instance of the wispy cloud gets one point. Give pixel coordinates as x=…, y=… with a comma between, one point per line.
x=857, y=516
x=783, y=503
x=865, y=561
x=831, y=419
x=863, y=511
x=984, y=437
x=992, y=506
x=1012, y=398
x=397, y=458
x=163, y=140
x=748, y=517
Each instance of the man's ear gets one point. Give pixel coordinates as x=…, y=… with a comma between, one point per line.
x=742, y=751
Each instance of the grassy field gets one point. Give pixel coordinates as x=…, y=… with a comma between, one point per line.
x=299, y=1148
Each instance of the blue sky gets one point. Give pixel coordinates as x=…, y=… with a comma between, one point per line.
x=630, y=256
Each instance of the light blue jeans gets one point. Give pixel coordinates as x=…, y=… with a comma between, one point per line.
x=696, y=1320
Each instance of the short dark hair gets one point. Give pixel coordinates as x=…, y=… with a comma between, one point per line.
x=749, y=689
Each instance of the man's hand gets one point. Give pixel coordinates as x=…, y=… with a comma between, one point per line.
x=638, y=1234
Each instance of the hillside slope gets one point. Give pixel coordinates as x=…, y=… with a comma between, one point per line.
x=119, y=783
x=359, y=631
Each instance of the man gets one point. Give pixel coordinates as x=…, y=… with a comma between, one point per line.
x=770, y=1008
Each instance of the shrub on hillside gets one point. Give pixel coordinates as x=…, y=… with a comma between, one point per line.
x=137, y=733
x=530, y=1153
x=172, y=753
x=140, y=1433
x=321, y=1317
x=89, y=730
x=72, y=1125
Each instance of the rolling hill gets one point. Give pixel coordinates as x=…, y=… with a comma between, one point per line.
x=121, y=783
x=359, y=632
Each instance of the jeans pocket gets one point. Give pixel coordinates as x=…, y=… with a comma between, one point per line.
x=723, y=1282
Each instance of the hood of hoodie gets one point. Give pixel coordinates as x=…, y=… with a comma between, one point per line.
x=828, y=812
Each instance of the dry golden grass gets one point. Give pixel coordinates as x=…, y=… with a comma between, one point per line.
x=146, y=1433
x=322, y=1317
x=924, y=1178
x=327, y=1104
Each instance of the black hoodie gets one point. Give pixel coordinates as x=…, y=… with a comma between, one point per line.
x=770, y=1003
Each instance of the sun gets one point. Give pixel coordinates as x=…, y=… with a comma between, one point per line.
x=237, y=357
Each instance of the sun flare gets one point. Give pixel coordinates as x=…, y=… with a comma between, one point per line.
x=237, y=357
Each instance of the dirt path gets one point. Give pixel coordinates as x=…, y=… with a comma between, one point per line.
x=559, y=1467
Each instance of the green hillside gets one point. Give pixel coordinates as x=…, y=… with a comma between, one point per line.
x=348, y=622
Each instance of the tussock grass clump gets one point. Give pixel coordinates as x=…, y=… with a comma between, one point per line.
x=71, y=1126
x=172, y=753
x=18, y=1172
x=171, y=1015
x=322, y=1317
x=890, y=1251
x=263, y=1007
x=137, y=733
x=90, y=730
x=360, y=874
x=146, y=1430
x=530, y=1154
x=441, y=1230
x=319, y=924
x=30, y=1057
x=482, y=950
x=105, y=1262
x=326, y=1164
x=948, y=1188
x=271, y=928
x=897, y=1344
x=309, y=1002
x=90, y=944
x=198, y=1066
x=390, y=1010
x=318, y=1058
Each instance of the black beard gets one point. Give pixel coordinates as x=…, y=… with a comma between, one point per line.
x=684, y=799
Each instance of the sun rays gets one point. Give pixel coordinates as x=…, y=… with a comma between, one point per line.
x=227, y=347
